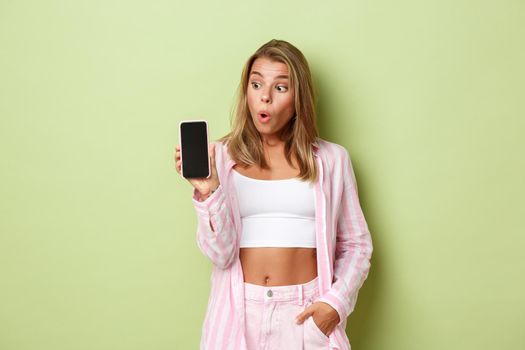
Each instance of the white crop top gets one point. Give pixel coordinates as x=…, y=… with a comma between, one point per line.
x=276, y=213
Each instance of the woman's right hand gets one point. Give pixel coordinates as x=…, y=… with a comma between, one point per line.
x=203, y=185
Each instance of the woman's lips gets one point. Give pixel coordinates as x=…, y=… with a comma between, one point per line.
x=264, y=117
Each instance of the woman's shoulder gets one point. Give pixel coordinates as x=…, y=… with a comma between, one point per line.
x=221, y=150
x=220, y=145
x=332, y=150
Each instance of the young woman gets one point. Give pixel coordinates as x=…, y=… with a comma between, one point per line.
x=279, y=218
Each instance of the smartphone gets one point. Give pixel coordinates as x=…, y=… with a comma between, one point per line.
x=193, y=141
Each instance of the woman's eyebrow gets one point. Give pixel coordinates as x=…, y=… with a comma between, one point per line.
x=277, y=77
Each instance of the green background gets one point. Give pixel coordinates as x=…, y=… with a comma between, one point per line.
x=97, y=230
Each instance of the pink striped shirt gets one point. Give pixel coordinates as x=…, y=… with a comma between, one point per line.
x=344, y=246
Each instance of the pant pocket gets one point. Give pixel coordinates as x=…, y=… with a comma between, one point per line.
x=316, y=328
x=314, y=338
x=253, y=316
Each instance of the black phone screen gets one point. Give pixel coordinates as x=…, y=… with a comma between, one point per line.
x=194, y=149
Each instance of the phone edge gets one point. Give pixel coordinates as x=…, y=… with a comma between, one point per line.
x=207, y=145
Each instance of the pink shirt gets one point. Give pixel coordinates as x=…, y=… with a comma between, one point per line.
x=344, y=246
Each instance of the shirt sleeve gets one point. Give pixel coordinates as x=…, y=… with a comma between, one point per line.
x=216, y=236
x=353, y=248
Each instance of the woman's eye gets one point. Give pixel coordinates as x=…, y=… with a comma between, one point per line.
x=253, y=84
x=284, y=88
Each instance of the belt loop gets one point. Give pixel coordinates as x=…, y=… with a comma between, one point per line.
x=300, y=291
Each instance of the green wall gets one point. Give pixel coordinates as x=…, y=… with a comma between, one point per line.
x=97, y=230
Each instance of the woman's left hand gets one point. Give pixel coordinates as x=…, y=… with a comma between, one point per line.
x=326, y=317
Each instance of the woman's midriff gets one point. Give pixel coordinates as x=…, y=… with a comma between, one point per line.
x=275, y=266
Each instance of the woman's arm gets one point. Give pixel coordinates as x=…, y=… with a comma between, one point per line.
x=216, y=236
x=353, y=248
x=215, y=230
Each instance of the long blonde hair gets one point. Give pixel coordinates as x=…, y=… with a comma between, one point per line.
x=244, y=141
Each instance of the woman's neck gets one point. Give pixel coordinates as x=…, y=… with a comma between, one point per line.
x=272, y=143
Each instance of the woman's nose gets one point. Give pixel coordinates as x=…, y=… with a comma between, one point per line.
x=265, y=97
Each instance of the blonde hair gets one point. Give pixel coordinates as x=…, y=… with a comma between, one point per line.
x=244, y=141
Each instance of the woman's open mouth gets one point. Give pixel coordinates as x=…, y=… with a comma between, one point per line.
x=263, y=117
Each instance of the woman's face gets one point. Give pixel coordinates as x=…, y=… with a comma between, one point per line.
x=270, y=97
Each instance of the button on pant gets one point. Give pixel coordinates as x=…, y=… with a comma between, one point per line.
x=270, y=317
